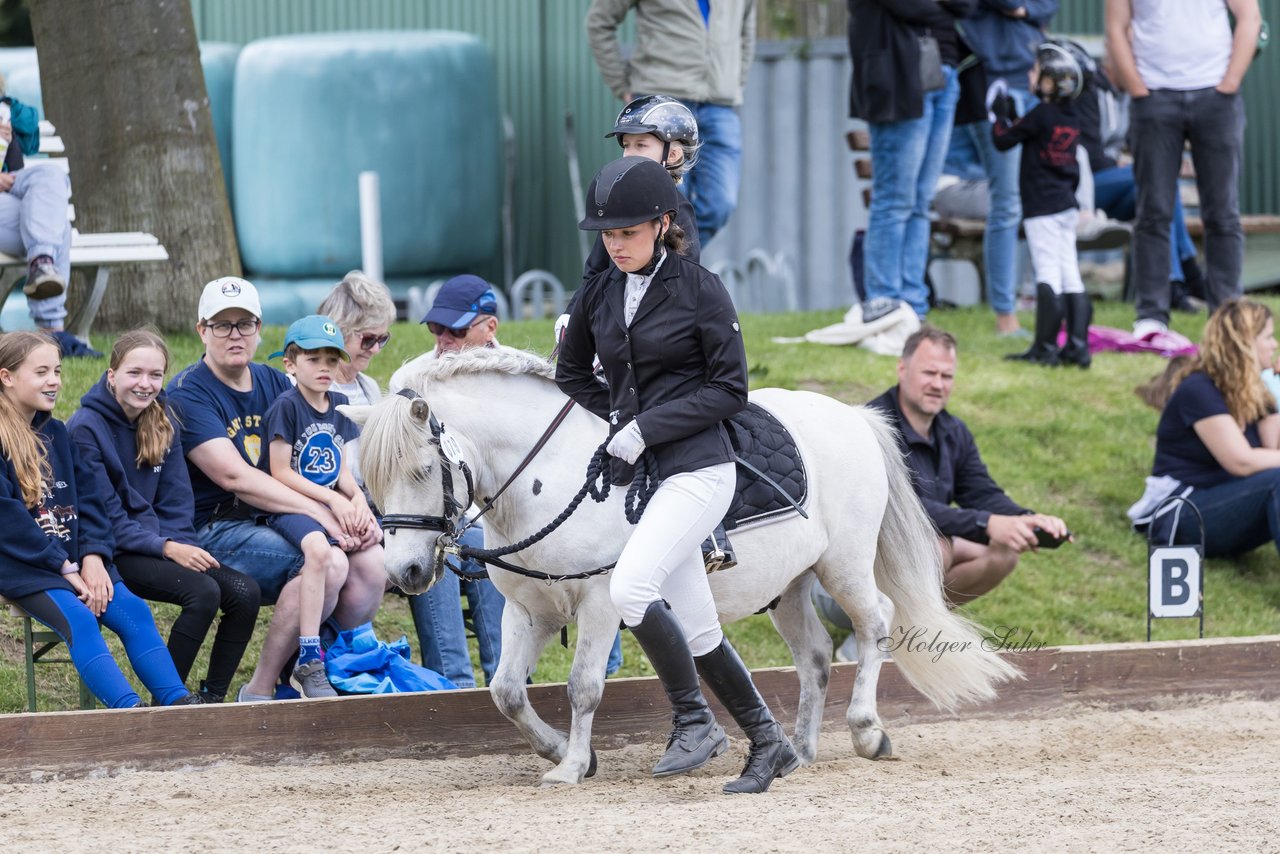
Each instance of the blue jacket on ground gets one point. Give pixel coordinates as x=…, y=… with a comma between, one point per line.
x=146, y=505
x=69, y=523
x=1007, y=46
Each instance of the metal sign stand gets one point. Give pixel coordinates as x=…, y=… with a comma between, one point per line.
x=1175, y=574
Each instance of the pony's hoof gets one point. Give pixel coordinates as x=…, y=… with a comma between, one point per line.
x=591, y=768
x=555, y=777
x=873, y=744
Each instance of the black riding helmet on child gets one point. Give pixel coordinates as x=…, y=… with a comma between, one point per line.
x=631, y=191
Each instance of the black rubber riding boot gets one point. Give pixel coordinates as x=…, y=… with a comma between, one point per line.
x=771, y=755
x=1044, y=349
x=695, y=735
x=717, y=551
x=1079, y=314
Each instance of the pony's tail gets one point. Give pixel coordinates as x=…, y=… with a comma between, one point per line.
x=942, y=654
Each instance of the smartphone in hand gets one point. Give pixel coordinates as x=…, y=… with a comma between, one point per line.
x=1046, y=540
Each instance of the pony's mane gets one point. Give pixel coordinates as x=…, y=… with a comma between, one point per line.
x=483, y=360
x=392, y=440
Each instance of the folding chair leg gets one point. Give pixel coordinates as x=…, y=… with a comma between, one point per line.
x=29, y=642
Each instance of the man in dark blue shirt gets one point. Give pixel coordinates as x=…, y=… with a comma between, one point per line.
x=983, y=531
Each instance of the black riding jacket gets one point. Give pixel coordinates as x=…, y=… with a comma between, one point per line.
x=680, y=369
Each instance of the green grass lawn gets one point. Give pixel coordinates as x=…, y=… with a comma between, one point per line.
x=1071, y=443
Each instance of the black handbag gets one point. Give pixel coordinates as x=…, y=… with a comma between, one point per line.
x=931, y=78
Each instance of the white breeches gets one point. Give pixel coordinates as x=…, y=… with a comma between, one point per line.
x=663, y=558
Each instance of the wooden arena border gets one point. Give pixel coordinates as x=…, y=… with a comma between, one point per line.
x=465, y=723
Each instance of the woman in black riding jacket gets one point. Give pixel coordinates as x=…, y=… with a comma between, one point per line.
x=668, y=339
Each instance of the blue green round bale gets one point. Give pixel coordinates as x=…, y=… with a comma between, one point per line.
x=314, y=111
x=219, y=62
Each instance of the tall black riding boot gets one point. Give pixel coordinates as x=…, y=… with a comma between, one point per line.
x=1079, y=315
x=695, y=735
x=771, y=753
x=717, y=551
x=1044, y=349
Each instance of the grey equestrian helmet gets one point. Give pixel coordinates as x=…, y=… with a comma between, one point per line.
x=664, y=117
x=1059, y=64
x=627, y=192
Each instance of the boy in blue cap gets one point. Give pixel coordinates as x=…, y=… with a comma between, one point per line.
x=305, y=435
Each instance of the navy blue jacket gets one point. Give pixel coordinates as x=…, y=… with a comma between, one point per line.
x=69, y=523
x=146, y=506
x=948, y=470
x=1007, y=46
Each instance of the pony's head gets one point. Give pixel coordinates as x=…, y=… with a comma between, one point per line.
x=415, y=473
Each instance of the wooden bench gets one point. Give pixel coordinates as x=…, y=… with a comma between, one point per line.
x=961, y=239
x=34, y=633
x=95, y=252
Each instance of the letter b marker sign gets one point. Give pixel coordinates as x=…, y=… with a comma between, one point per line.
x=1175, y=584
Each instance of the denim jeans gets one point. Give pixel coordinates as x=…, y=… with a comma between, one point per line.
x=1239, y=516
x=972, y=143
x=712, y=184
x=1115, y=192
x=255, y=550
x=1160, y=124
x=33, y=222
x=437, y=617
x=906, y=160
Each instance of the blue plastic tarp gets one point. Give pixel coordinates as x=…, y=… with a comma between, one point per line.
x=358, y=663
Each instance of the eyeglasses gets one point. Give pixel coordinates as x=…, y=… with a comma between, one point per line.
x=454, y=332
x=368, y=340
x=222, y=328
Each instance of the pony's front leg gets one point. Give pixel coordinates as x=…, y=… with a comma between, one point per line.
x=597, y=626
x=523, y=638
x=810, y=645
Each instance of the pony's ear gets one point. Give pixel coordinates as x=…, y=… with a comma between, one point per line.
x=358, y=414
x=418, y=409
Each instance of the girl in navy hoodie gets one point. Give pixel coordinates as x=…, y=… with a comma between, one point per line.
x=127, y=439
x=55, y=555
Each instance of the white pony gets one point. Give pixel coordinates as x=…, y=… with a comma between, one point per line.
x=867, y=539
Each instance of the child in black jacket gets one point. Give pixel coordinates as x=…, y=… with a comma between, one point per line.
x=1047, y=180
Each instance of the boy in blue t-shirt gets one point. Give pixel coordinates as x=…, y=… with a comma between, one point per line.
x=306, y=435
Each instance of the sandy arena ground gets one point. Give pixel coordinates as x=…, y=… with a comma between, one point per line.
x=1199, y=777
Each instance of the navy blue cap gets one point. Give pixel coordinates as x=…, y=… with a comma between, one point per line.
x=460, y=300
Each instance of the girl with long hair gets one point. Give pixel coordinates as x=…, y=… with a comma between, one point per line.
x=56, y=554
x=1218, y=440
x=127, y=438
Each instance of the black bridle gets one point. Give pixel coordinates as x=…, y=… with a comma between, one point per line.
x=447, y=524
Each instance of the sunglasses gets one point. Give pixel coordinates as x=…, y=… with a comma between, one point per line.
x=454, y=332
x=368, y=340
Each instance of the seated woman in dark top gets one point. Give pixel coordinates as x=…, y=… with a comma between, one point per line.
x=1218, y=441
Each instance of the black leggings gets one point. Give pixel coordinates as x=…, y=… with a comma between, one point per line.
x=199, y=594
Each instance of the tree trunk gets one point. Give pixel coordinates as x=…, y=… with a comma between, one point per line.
x=122, y=82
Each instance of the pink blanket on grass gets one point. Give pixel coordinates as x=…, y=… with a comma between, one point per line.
x=1104, y=338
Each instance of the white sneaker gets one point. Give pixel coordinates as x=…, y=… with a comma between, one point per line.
x=1144, y=326
x=847, y=652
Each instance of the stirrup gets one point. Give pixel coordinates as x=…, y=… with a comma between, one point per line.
x=714, y=560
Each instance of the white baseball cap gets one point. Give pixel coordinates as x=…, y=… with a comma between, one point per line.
x=229, y=292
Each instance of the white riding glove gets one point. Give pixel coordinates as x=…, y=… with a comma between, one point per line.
x=562, y=323
x=627, y=444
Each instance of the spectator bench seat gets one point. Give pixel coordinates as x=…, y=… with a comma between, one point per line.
x=96, y=252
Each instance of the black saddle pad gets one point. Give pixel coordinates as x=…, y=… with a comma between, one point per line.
x=762, y=441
